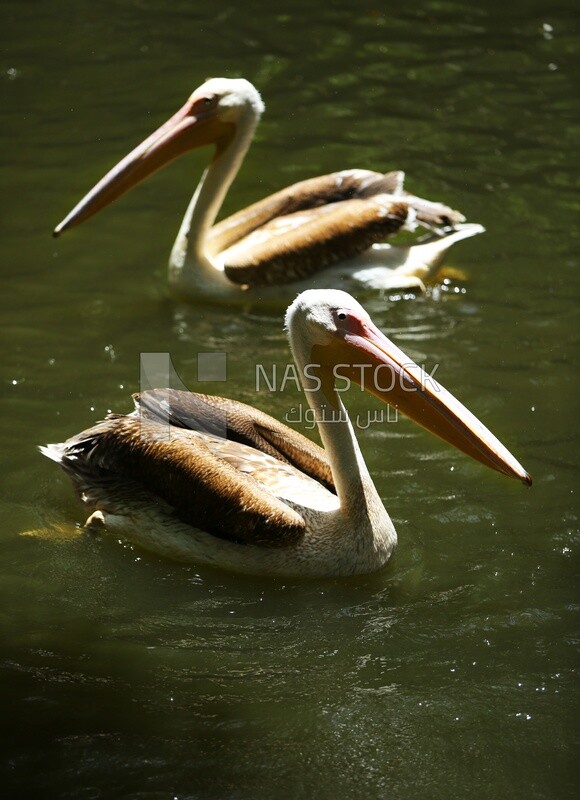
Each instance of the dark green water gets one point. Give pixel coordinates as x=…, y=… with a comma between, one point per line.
x=451, y=672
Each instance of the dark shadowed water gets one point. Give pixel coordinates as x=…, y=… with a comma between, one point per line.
x=450, y=672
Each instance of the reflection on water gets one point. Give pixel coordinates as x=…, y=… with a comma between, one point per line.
x=450, y=671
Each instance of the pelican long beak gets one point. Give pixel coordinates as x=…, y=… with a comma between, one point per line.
x=365, y=355
x=194, y=125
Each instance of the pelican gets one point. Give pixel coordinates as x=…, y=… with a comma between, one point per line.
x=210, y=480
x=319, y=232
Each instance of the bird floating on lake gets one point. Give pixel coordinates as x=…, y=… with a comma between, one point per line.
x=210, y=480
x=316, y=233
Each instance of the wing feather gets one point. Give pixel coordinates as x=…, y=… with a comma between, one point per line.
x=317, y=222
x=176, y=465
x=303, y=243
x=310, y=193
x=239, y=422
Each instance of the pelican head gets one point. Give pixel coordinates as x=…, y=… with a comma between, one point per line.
x=229, y=98
x=212, y=115
x=333, y=336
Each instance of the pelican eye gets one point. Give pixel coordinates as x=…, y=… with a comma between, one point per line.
x=347, y=321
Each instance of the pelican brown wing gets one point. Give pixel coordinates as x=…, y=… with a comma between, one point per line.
x=181, y=468
x=301, y=244
x=315, y=223
x=238, y=422
x=322, y=190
